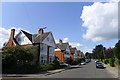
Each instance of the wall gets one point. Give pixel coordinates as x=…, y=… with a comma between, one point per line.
x=22, y=39
x=60, y=55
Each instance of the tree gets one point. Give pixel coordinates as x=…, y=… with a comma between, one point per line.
x=117, y=50
x=98, y=52
x=88, y=55
x=109, y=53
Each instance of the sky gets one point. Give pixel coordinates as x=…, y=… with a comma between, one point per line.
x=83, y=24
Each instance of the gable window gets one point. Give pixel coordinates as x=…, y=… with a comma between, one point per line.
x=48, y=39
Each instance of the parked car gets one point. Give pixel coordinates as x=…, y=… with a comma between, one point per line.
x=99, y=65
x=87, y=60
x=64, y=64
x=83, y=63
x=96, y=61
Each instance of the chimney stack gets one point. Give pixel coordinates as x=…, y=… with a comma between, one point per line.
x=40, y=31
x=70, y=46
x=60, y=41
x=12, y=34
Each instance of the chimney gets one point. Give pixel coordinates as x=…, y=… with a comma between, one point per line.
x=12, y=34
x=70, y=46
x=40, y=31
x=60, y=41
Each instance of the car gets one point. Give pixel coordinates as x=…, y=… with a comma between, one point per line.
x=96, y=61
x=64, y=64
x=83, y=63
x=99, y=65
x=88, y=60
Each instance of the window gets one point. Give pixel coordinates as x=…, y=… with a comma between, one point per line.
x=43, y=60
x=48, y=39
x=42, y=48
x=50, y=60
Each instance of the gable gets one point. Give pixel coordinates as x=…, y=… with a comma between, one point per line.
x=49, y=40
x=22, y=39
x=67, y=48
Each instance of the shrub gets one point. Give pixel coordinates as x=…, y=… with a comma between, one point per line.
x=117, y=61
x=57, y=64
x=78, y=60
x=42, y=67
x=111, y=62
x=106, y=61
x=50, y=66
x=74, y=63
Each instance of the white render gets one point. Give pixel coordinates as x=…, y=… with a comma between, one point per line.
x=49, y=40
x=68, y=49
x=47, y=44
x=22, y=39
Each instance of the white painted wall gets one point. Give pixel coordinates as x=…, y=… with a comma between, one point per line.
x=49, y=40
x=22, y=39
x=68, y=49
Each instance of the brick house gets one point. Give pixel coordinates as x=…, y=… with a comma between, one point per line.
x=73, y=53
x=62, y=51
x=44, y=40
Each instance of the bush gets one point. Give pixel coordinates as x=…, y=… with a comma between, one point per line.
x=50, y=66
x=111, y=62
x=57, y=64
x=42, y=67
x=106, y=61
x=74, y=63
x=78, y=60
x=117, y=61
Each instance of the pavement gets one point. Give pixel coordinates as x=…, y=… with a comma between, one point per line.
x=112, y=70
x=78, y=71
x=36, y=75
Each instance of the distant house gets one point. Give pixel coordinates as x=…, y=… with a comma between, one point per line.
x=78, y=54
x=44, y=40
x=73, y=53
x=62, y=51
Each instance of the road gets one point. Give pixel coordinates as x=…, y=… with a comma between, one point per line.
x=84, y=71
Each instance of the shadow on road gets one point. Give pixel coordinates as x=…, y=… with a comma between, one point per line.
x=101, y=68
x=74, y=67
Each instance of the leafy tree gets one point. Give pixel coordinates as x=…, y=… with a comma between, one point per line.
x=109, y=53
x=117, y=50
x=88, y=55
x=98, y=52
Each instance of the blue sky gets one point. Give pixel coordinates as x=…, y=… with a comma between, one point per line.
x=62, y=18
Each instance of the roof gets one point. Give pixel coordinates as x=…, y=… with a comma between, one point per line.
x=28, y=35
x=62, y=46
x=73, y=50
x=37, y=38
x=78, y=51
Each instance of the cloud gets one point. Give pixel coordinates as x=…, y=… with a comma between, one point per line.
x=101, y=21
x=65, y=39
x=5, y=34
x=73, y=44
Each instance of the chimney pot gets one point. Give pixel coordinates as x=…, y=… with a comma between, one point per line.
x=70, y=46
x=40, y=31
x=60, y=41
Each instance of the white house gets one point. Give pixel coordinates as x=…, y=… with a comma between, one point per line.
x=45, y=41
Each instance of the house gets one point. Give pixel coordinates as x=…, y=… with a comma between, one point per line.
x=44, y=40
x=73, y=53
x=78, y=54
x=62, y=51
